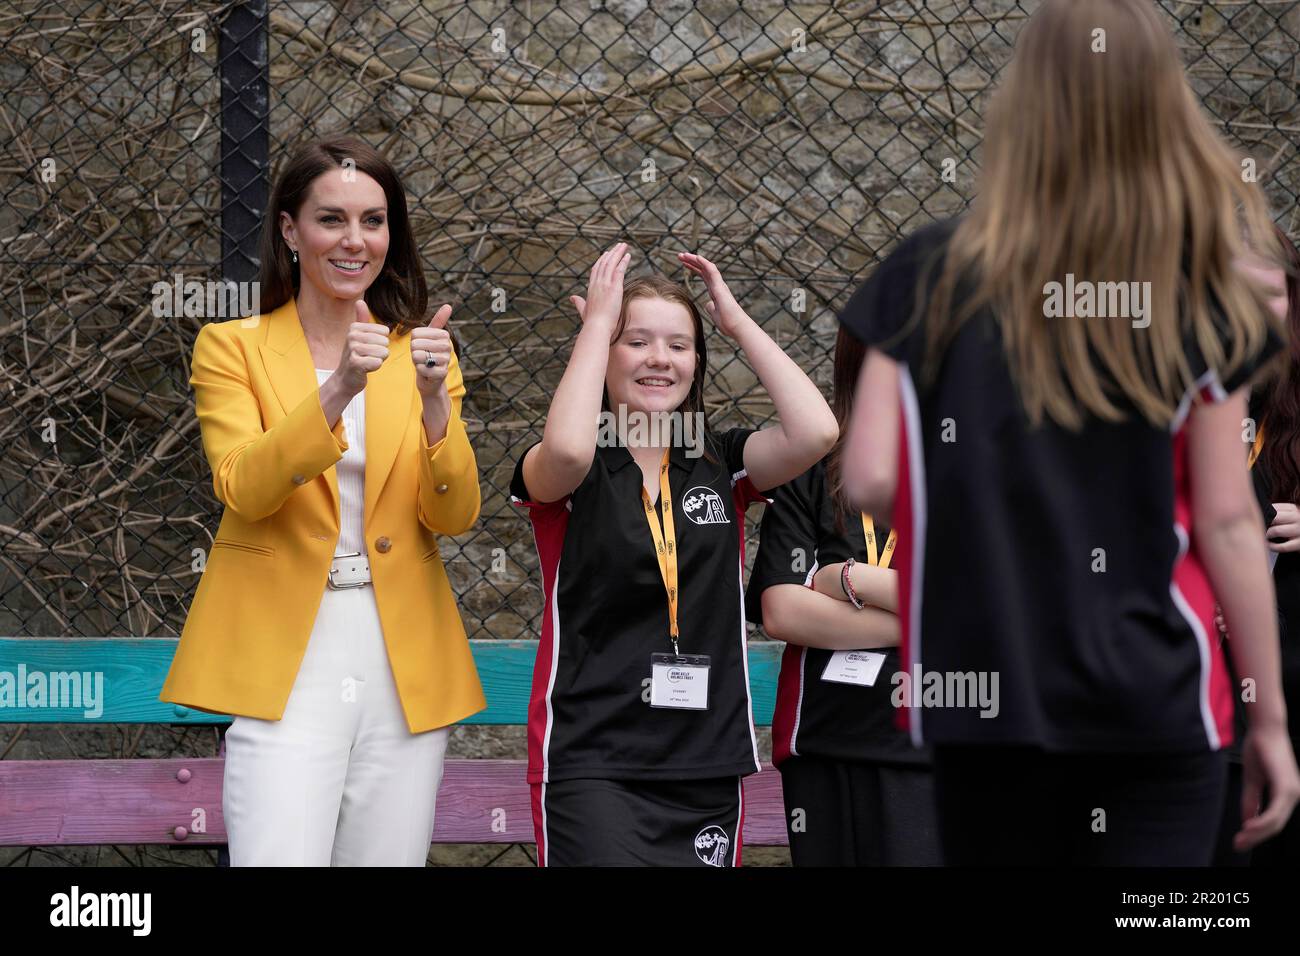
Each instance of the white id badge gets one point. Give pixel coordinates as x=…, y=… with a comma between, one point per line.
x=680, y=681
x=854, y=667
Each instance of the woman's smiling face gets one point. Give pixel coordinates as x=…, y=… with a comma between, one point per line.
x=652, y=362
x=340, y=234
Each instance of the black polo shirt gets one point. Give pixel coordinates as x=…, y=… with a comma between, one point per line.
x=1060, y=561
x=817, y=717
x=606, y=612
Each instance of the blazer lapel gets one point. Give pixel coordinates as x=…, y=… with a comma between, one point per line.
x=390, y=397
x=288, y=362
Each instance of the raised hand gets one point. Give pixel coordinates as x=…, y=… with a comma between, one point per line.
x=722, y=305
x=604, y=299
x=364, y=350
x=431, y=353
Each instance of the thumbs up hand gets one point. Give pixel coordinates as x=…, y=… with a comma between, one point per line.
x=431, y=353
x=364, y=350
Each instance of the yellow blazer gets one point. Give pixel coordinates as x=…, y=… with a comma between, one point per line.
x=272, y=456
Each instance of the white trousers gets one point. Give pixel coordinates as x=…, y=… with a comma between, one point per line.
x=339, y=780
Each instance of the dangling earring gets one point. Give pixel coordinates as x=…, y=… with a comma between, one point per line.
x=295, y=256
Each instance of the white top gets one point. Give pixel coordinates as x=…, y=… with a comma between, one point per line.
x=351, y=473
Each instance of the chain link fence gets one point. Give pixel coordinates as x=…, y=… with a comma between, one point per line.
x=792, y=142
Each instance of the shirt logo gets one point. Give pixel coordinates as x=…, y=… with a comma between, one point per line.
x=711, y=845
x=703, y=505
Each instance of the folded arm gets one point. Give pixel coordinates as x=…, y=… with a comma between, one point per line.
x=800, y=615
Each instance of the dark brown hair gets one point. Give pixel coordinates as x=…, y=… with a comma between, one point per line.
x=1280, y=413
x=399, y=296
x=849, y=356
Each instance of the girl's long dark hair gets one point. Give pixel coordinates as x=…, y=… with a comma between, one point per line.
x=849, y=356
x=1280, y=416
x=399, y=296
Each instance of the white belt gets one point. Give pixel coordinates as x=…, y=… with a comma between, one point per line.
x=349, y=571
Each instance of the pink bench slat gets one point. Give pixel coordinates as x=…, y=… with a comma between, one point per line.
x=88, y=802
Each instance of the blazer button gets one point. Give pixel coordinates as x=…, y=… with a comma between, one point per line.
x=383, y=545
x=299, y=480
x=441, y=489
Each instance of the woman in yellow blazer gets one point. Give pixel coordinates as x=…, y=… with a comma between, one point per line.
x=324, y=620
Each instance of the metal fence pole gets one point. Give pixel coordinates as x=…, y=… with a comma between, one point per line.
x=245, y=137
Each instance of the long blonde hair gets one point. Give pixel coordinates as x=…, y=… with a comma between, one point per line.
x=1102, y=165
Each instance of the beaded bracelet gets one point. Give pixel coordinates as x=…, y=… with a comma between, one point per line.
x=847, y=586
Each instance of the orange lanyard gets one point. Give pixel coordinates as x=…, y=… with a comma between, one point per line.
x=665, y=544
x=1256, y=448
x=869, y=532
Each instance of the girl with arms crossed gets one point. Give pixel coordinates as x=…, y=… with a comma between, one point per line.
x=857, y=793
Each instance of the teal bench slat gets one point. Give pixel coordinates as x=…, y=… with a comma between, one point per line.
x=131, y=673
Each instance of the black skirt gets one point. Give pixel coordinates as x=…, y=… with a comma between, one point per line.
x=592, y=822
x=859, y=813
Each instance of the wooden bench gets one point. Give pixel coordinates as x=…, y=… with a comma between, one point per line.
x=178, y=800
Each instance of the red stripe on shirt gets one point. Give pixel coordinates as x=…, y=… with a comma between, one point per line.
x=549, y=521
x=1192, y=582
x=785, y=715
